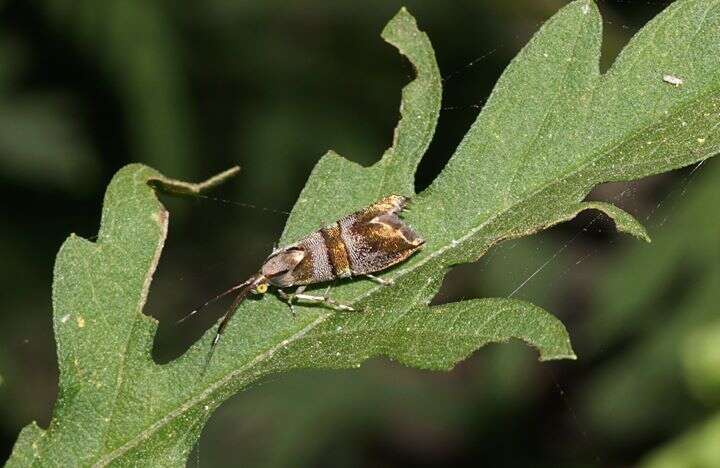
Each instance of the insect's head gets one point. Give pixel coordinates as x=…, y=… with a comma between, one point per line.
x=278, y=268
x=260, y=287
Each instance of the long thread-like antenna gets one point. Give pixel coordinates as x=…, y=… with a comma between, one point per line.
x=244, y=205
x=222, y=294
x=245, y=290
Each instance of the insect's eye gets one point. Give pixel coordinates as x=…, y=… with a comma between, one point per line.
x=261, y=288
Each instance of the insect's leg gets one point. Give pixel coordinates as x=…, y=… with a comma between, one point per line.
x=384, y=282
x=333, y=304
x=289, y=298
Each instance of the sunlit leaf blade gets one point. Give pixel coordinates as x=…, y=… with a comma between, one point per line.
x=552, y=129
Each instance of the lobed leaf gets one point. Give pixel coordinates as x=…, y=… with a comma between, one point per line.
x=552, y=129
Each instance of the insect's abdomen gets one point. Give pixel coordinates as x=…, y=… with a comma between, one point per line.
x=316, y=266
x=337, y=251
x=326, y=257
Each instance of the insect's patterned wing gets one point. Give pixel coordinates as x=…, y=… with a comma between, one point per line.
x=366, y=241
x=376, y=238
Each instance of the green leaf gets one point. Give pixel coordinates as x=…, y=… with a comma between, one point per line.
x=103, y=338
x=552, y=129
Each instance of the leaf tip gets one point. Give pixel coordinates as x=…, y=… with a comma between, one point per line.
x=571, y=356
x=624, y=221
x=178, y=187
x=586, y=7
x=403, y=14
x=25, y=451
x=402, y=18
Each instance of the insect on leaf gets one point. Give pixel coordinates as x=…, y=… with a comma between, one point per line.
x=552, y=129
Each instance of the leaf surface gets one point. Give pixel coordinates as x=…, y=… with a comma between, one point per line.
x=553, y=128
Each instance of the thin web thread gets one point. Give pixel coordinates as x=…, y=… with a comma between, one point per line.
x=243, y=205
x=684, y=185
x=628, y=190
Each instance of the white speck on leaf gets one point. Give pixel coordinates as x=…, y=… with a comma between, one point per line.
x=673, y=80
x=80, y=321
x=65, y=318
x=585, y=9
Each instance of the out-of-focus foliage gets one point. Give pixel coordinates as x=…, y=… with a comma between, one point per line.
x=698, y=449
x=272, y=86
x=700, y=446
x=134, y=45
x=657, y=318
x=702, y=362
x=39, y=140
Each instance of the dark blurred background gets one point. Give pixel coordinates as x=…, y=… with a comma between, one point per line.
x=194, y=87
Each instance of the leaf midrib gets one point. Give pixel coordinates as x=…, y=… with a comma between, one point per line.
x=206, y=393
x=611, y=146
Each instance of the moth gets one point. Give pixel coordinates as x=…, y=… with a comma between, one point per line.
x=359, y=244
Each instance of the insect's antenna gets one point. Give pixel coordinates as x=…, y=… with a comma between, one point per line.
x=222, y=294
x=244, y=205
x=247, y=287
